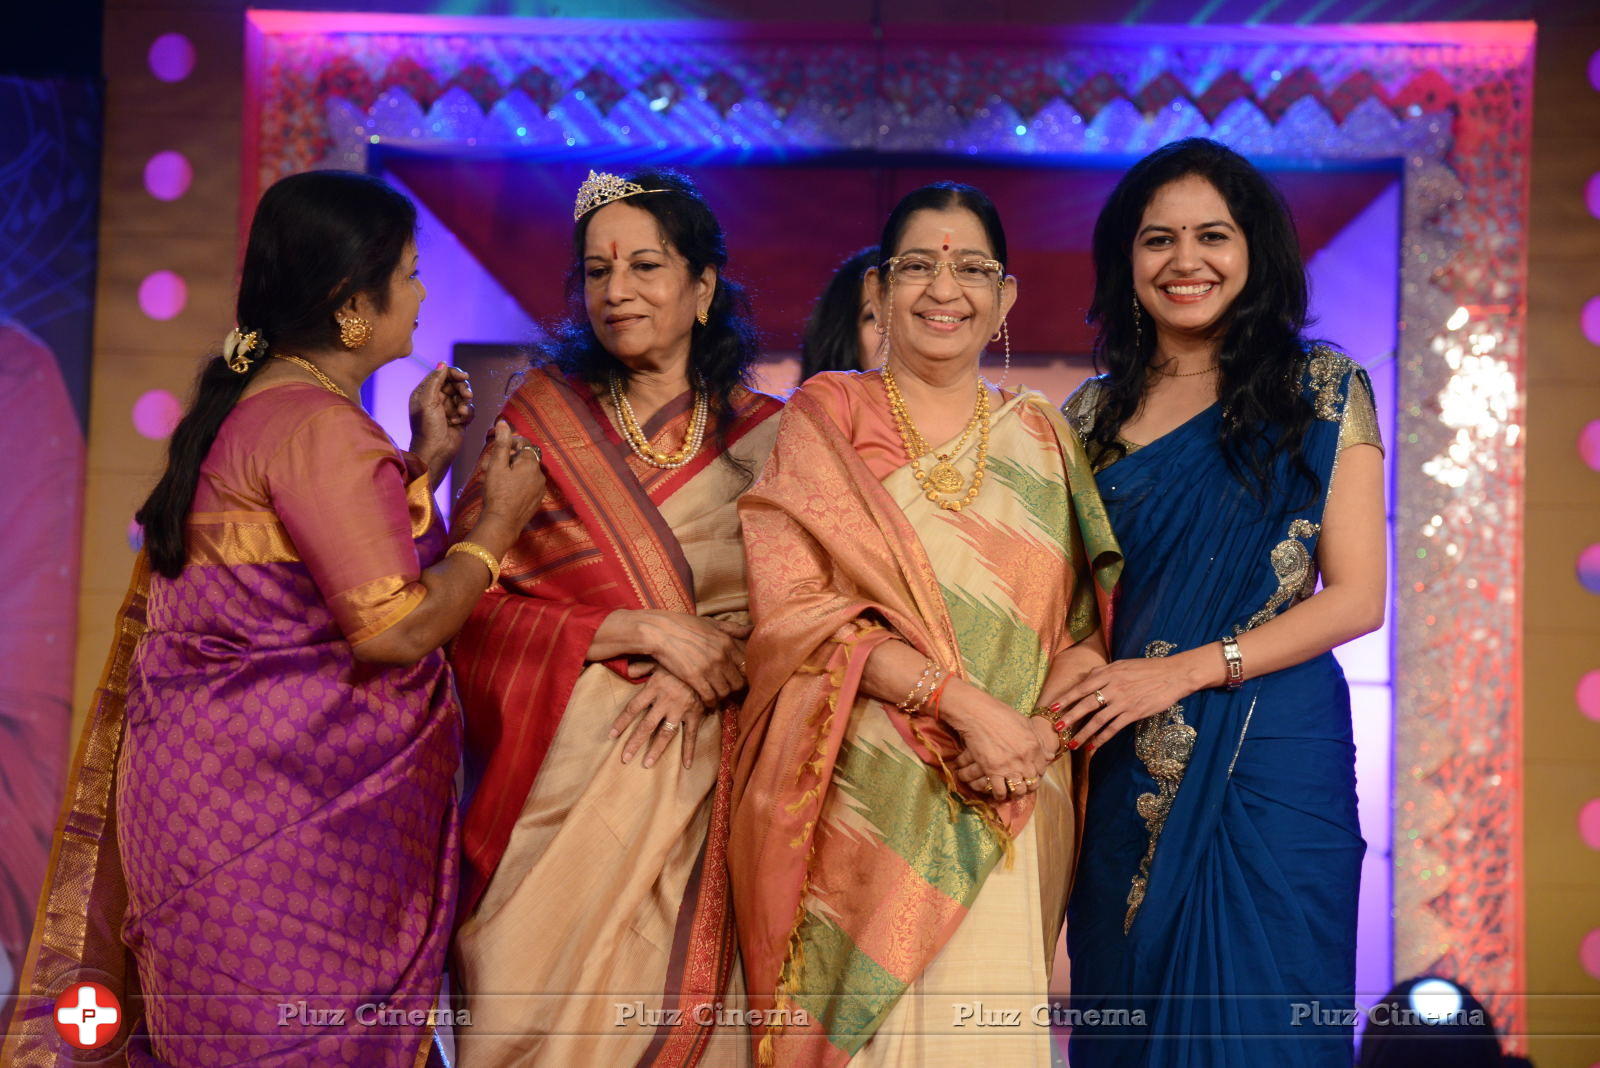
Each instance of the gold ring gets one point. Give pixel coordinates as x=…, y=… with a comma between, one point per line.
x=1030, y=782
x=989, y=779
x=668, y=727
x=1014, y=786
x=1099, y=695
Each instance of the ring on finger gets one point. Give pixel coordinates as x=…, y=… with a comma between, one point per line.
x=1014, y=785
x=1030, y=782
x=668, y=727
x=1099, y=695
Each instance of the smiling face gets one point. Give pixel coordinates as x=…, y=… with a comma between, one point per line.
x=393, y=327
x=640, y=297
x=1190, y=259
x=942, y=320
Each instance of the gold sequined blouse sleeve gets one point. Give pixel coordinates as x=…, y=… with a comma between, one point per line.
x=1359, y=423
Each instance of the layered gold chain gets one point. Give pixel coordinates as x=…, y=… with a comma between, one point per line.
x=944, y=480
x=640, y=444
x=316, y=372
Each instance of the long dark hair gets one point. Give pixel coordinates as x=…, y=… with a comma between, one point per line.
x=721, y=353
x=940, y=196
x=832, y=338
x=1263, y=346
x=317, y=240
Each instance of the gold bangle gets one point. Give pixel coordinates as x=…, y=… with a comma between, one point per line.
x=472, y=548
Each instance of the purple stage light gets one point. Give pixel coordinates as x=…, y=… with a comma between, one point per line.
x=167, y=175
x=162, y=295
x=171, y=57
x=1589, y=568
x=1591, y=320
x=156, y=413
x=1589, y=444
x=1591, y=195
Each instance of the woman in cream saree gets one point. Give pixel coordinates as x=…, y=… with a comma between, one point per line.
x=886, y=909
x=597, y=927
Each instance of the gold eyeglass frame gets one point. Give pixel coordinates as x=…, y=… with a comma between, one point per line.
x=892, y=265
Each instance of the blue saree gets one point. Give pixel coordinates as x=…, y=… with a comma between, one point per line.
x=1213, y=918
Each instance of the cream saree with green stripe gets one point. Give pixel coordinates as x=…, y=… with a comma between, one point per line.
x=885, y=917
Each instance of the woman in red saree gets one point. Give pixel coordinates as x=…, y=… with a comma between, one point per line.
x=596, y=922
x=258, y=850
x=904, y=829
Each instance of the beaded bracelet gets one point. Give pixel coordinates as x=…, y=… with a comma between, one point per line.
x=932, y=678
x=1059, y=724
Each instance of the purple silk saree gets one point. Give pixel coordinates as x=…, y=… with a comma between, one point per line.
x=284, y=814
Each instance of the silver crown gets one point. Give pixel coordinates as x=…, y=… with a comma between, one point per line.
x=598, y=190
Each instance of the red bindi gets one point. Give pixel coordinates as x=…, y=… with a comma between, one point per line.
x=947, y=242
x=614, y=251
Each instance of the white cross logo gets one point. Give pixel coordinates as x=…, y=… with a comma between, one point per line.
x=88, y=1014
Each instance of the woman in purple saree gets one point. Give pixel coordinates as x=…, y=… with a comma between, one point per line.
x=258, y=852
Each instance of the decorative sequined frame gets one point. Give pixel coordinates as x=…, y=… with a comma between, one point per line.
x=1452, y=102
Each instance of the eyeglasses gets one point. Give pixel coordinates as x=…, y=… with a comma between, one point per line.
x=920, y=270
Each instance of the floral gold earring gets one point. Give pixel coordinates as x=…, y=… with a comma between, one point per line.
x=702, y=317
x=354, y=332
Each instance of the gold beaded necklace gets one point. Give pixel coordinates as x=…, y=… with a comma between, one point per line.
x=316, y=372
x=640, y=444
x=944, y=478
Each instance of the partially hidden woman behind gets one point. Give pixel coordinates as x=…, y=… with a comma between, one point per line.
x=841, y=333
x=1239, y=462
x=597, y=676
x=929, y=566
x=261, y=813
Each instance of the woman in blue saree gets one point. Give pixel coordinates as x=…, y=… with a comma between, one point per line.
x=1215, y=902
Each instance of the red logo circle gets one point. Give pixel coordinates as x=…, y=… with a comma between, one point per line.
x=88, y=1015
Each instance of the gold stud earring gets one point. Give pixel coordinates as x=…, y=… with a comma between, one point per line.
x=702, y=317
x=354, y=332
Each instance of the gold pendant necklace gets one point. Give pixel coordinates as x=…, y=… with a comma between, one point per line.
x=943, y=478
x=316, y=372
x=640, y=444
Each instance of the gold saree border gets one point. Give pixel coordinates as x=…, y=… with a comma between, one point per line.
x=84, y=831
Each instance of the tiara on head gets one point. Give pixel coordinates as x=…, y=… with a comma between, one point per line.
x=599, y=190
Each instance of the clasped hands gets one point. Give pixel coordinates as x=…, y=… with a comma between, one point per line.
x=690, y=665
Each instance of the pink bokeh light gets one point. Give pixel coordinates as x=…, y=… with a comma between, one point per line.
x=1594, y=70
x=1589, y=568
x=1589, y=444
x=1591, y=320
x=171, y=57
x=1589, y=953
x=1589, y=823
x=1588, y=695
x=1591, y=195
x=162, y=295
x=156, y=413
x=167, y=175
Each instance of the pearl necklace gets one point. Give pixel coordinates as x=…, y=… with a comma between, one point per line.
x=943, y=478
x=641, y=445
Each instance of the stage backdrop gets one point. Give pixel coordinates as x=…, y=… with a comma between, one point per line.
x=49, y=189
x=1447, y=105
